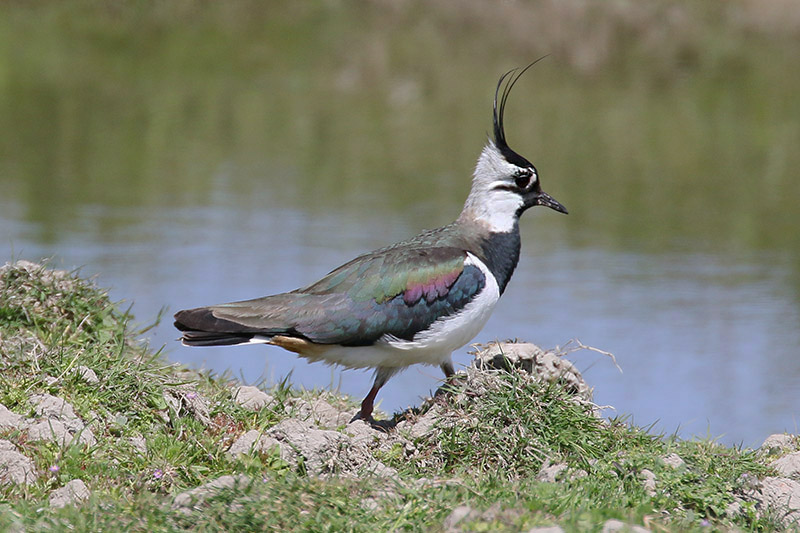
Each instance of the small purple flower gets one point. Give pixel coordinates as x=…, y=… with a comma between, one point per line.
x=158, y=474
x=191, y=395
x=705, y=523
x=54, y=468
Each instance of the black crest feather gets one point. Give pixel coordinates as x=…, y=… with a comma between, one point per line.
x=506, y=83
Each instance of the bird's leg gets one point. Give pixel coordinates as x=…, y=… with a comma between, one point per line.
x=449, y=373
x=382, y=375
x=447, y=368
x=367, y=404
x=450, y=379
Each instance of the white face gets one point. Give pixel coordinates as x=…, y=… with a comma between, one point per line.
x=497, y=187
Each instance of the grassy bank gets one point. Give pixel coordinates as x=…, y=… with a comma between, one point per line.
x=501, y=452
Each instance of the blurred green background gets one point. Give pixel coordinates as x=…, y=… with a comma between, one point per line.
x=194, y=152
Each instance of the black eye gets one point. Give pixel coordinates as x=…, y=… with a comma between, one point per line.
x=522, y=178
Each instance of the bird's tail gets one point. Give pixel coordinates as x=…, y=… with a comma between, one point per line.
x=201, y=328
x=211, y=338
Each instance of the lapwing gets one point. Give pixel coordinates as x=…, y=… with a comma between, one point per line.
x=412, y=302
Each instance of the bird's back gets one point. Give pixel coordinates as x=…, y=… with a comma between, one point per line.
x=395, y=291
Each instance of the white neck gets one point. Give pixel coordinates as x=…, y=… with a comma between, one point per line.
x=495, y=208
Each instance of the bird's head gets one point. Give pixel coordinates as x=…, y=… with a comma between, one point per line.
x=505, y=184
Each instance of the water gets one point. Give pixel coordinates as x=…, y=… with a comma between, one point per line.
x=233, y=157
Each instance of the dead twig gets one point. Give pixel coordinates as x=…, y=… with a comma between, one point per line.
x=575, y=345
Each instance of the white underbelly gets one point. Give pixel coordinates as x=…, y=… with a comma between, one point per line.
x=432, y=346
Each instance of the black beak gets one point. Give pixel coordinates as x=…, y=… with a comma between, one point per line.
x=548, y=201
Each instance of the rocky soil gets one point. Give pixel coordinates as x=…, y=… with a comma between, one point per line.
x=320, y=439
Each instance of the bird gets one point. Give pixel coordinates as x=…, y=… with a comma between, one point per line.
x=413, y=302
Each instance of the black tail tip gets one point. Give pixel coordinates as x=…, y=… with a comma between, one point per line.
x=213, y=338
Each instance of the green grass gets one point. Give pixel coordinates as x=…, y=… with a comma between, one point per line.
x=496, y=443
x=495, y=432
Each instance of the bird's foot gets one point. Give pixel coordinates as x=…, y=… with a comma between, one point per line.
x=451, y=384
x=378, y=425
x=360, y=416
